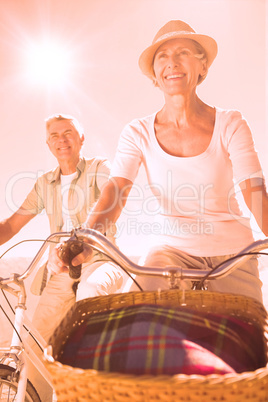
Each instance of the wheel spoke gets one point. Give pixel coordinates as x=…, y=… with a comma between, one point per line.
x=9, y=387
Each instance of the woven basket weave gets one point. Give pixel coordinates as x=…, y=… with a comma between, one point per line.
x=73, y=384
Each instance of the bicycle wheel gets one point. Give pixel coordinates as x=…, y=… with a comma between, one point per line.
x=9, y=386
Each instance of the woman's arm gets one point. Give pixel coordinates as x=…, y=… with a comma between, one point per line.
x=256, y=198
x=106, y=211
x=110, y=204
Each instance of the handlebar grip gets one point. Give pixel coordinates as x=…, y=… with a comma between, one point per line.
x=69, y=250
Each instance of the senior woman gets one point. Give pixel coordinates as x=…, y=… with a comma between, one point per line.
x=196, y=157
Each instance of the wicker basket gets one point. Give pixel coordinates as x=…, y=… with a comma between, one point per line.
x=73, y=384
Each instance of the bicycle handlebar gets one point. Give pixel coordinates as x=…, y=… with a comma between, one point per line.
x=100, y=243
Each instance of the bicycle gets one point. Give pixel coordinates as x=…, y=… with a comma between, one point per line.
x=16, y=359
x=14, y=379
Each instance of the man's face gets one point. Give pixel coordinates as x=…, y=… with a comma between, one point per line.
x=64, y=141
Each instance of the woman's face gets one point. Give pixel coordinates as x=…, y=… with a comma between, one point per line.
x=178, y=65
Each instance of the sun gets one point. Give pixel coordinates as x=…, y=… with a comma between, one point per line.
x=48, y=63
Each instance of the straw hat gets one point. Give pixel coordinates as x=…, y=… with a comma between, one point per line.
x=172, y=30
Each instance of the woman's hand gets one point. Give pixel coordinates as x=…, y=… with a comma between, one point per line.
x=84, y=256
x=55, y=265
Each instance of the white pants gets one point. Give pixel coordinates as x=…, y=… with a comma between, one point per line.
x=97, y=279
x=244, y=280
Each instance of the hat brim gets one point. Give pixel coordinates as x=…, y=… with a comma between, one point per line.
x=147, y=57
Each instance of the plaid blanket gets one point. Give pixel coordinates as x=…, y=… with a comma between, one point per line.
x=151, y=339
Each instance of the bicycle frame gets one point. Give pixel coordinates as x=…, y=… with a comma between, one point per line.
x=19, y=354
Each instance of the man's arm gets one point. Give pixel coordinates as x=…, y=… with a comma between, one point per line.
x=256, y=198
x=12, y=225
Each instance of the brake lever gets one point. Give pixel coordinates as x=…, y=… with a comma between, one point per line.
x=70, y=249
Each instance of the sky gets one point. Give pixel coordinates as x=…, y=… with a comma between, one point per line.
x=99, y=82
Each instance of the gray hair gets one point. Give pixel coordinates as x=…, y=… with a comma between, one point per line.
x=58, y=117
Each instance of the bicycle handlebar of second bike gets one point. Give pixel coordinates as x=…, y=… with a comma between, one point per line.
x=100, y=243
